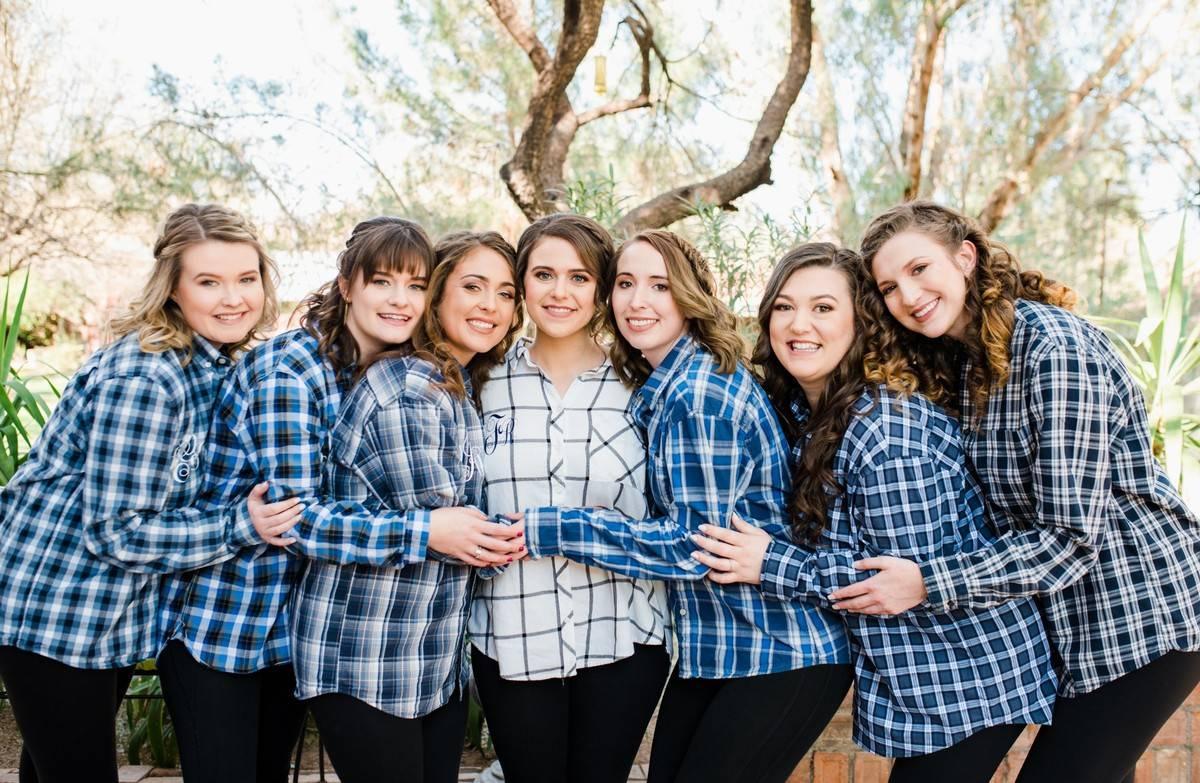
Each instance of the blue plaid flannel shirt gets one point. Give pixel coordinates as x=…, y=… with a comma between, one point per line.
x=123, y=448
x=715, y=447
x=271, y=424
x=1089, y=521
x=924, y=680
x=393, y=637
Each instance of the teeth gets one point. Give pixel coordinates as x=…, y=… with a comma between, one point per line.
x=229, y=316
x=636, y=322
x=797, y=345
x=483, y=325
x=925, y=310
x=559, y=310
x=399, y=318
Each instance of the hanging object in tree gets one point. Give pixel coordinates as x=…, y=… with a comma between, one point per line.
x=601, y=74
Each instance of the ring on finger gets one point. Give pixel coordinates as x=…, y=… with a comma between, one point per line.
x=478, y=553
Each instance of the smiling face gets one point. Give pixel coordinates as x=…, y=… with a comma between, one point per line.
x=924, y=284
x=383, y=309
x=220, y=290
x=645, y=312
x=560, y=292
x=812, y=326
x=478, y=304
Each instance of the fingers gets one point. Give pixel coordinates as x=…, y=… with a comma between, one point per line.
x=259, y=492
x=862, y=605
x=280, y=506
x=716, y=547
x=852, y=591
x=871, y=563
x=745, y=527
x=278, y=541
x=720, y=534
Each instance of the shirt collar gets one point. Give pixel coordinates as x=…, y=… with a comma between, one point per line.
x=679, y=355
x=208, y=354
x=521, y=351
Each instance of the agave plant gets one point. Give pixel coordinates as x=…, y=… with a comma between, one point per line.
x=22, y=412
x=1164, y=358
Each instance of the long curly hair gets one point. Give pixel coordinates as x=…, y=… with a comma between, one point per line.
x=694, y=289
x=591, y=242
x=992, y=290
x=155, y=317
x=381, y=244
x=814, y=485
x=429, y=340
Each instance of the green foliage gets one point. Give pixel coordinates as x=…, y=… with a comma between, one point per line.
x=1164, y=358
x=595, y=196
x=22, y=412
x=149, y=724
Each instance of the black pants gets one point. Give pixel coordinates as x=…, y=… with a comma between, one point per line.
x=743, y=730
x=973, y=760
x=1099, y=736
x=585, y=728
x=231, y=728
x=367, y=745
x=67, y=717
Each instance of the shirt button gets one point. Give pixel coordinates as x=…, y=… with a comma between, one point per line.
x=223, y=361
x=683, y=611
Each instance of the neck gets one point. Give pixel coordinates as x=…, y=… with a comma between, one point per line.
x=656, y=358
x=368, y=349
x=571, y=354
x=812, y=393
x=462, y=355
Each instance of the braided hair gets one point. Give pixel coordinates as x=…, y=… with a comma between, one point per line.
x=694, y=289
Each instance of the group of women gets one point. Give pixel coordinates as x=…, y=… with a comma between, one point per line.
x=933, y=481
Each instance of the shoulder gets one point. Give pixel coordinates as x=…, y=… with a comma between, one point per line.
x=1039, y=328
x=409, y=379
x=698, y=388
x=294, y=352
x=886, y=425
x=124, y=360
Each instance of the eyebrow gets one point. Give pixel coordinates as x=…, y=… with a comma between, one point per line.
x=548, y=268
x=216, y=276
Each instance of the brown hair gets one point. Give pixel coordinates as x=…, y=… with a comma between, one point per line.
x=591, y=242
x=381, y=244
x=155, y=317
x=813, y=483
x=429, y=341
x=992, y=289
x=694, y=290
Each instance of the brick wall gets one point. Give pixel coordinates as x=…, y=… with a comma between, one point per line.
x=1173, y=757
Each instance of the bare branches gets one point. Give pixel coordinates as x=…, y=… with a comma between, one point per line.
x=522, y=33
x=643, y=34
x=755, y=167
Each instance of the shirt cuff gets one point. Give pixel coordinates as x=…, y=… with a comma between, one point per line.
x=412, y=533
x=241, y=533
x=942, y=591
x=543, y=532
x=775, y=581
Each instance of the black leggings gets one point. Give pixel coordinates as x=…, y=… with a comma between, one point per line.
x=367, y=745
x=231, y=728
x=585, y=728
x=743, y=730
x=67, y=717
x=972, y=760
x=1099, y=736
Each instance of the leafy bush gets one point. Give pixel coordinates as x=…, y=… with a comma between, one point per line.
x=22, y=412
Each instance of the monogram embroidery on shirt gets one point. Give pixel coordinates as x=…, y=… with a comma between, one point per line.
x=497, y=430
x=186, y=459
x=470, y=463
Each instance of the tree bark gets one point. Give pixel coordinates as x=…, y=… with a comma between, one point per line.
x=930, y=28
x=841, y=197
x=755, y=168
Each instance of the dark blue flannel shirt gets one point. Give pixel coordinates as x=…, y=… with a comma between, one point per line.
x=272, y=424
x=715, y=447
x=394, y=637
x=924, y=680
x=1089, y=522
x=83, y=541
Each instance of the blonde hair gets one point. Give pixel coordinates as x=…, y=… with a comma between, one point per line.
x=694, y=289
x=154, y=316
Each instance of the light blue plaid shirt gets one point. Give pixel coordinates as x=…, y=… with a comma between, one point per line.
x=393, y=637
x=924, y=680
x=715, y=447
x=83, y=530
x=272, y=424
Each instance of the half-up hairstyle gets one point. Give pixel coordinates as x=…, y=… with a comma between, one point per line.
x=813, y=483
x=381, y=244
x=592, y=243
x=992, y=289
x=429, y=340
x=694, y=289
x=155, y=317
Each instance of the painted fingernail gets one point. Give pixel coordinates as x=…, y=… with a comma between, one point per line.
x=522, y=549
x=510, y=560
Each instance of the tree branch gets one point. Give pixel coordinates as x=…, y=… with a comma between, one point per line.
x=643, y=33
x=522, y=33
x=755, y=167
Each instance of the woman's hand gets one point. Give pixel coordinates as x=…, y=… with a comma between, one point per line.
x=896, y=587
x=732, y=555
x=467, y=535
x=272, y=520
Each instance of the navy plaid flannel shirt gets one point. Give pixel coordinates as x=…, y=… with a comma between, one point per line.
x=83, y=536
x=1089, y=522
x=924, y=680
x=271, y=424
x=715, y=448
x=393, y=637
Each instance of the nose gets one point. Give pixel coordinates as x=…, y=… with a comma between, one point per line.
x=487, y=300
x=560, y=287
x=637, y=297
x=800, y=321
x=231, y=295
x=399, y=296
